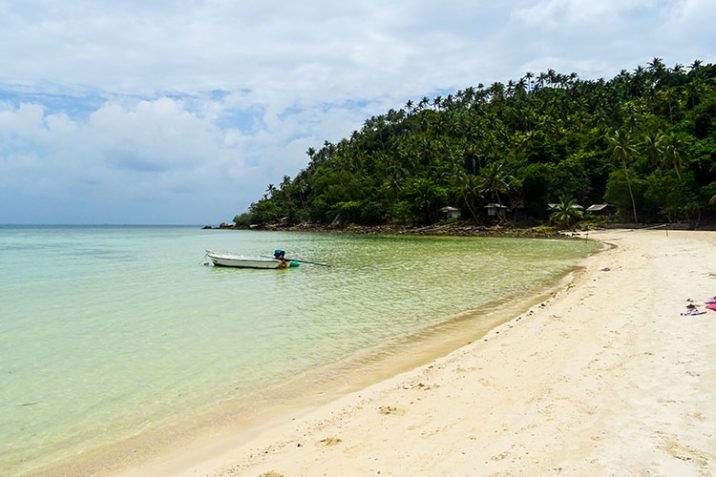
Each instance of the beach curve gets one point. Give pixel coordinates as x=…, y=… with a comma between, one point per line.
x=605, y=378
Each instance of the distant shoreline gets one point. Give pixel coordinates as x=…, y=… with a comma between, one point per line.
x=456, y=230
x=461, y=230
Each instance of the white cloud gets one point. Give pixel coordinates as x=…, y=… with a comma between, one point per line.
x=194, y=105
x=118, y=154
x=152, y=153
x=697, y=18
x=561, y=13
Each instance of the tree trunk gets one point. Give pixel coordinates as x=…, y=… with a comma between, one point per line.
x=631, y=195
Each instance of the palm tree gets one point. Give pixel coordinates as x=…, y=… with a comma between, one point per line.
x=665, y=152
x=494, y=181
x=468, y=187
x=566, y=212
x=270, y=191
x=437, y=102
x=623, y=151
x=427, y=196
x=301, y=187
x=658, y=70
x=396, y=175
x=673, y=156
x=528, y=76
x=654, y=147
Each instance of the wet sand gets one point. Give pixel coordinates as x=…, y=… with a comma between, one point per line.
x=603, y=378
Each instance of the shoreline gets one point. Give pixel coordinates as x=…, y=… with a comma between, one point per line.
x=464, y=229
x=601, y=378
x=454, y=230
x=604, y=378
x=237, y=423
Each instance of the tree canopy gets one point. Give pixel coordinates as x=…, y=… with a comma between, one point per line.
x=644, y=141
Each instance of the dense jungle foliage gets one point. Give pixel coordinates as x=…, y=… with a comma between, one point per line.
x=644, y=141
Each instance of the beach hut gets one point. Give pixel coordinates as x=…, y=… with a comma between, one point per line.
x=555, y=206
x=451, y=212
x=495, y=209
x=601, y=209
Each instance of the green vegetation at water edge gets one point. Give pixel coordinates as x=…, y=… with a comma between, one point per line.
x=644, y=142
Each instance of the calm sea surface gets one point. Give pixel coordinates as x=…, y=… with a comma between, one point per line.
x=108, y=331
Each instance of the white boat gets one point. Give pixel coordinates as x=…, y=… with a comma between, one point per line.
x=240, y=261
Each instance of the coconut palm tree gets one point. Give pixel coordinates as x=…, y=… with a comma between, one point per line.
x=529, y=76
x=494, y=181
x=623, y=151
x=566, y=212
x=654, y=147
x=396, y=174
x=270, y=191
x=468, y=187
x=673, y=156
x=301, y=186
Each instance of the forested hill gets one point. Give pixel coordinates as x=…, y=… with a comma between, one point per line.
x=644, y=141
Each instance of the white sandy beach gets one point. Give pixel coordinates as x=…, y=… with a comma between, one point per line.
x=604, y=378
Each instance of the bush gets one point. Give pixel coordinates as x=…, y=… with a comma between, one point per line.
x=243, y=220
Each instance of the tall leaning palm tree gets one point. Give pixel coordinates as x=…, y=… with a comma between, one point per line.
x=665, y=152
x=674, y=153
x=623, y=151
x=654, y=147
x=468, y=187
x=494, y=181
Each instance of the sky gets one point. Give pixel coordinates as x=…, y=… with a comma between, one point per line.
x=183, y=111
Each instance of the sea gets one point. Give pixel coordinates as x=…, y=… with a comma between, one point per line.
x=107, y=332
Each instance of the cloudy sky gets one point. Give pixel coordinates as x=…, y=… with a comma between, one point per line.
x=182, y=111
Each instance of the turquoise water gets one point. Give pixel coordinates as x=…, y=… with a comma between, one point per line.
x=109, y=331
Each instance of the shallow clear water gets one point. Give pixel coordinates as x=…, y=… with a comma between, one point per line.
x=106, y=331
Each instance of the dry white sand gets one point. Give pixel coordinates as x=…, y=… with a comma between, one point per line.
x=604, y=378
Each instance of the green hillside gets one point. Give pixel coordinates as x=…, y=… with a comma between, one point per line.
x=644, y=141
